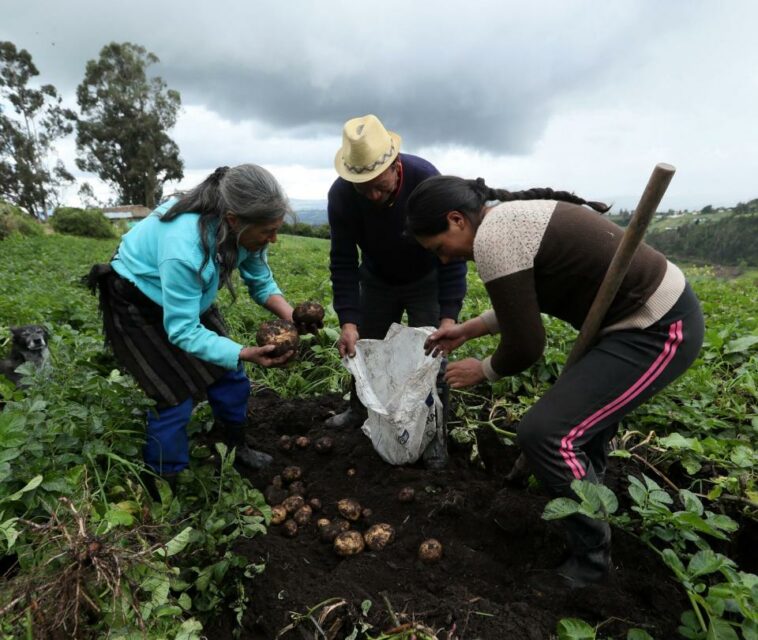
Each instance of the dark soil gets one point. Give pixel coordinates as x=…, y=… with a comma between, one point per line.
x=494, y=581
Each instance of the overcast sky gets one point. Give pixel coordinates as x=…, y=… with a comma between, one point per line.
x=582, y=95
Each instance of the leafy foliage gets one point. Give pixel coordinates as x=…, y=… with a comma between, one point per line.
x=90, y=223
x=122, y=133
x=14, y=220
x=27, y=139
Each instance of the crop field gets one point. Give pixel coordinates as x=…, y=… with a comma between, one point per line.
x=86, y=552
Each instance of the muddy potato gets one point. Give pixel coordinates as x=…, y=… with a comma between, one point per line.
x=290, y=474
x=323, y=522
x=324, y=444
x=303, y=442
x=278, y=514
x=303, y=515
x=281, y=333
x=349, y=543
x=366, y=513
x=315, y=504
x=276, y=481
x=379, y=536
x=252, y=511
x=349, y=509
x=308, y=313
x=430, y=551
x=293, y=503
x=289, y=528
x=329, y=532
x=406, y=494
x=297, y=488
x=352, y=472
x=285, y=443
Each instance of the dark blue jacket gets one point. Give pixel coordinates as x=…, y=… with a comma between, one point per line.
x=377, y=230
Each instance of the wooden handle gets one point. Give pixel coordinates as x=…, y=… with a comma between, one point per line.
x=643, y=214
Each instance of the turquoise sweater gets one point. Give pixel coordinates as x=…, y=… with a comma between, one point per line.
x=163, y=260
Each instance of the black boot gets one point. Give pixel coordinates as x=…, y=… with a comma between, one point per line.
x=589, y=560
x=150, y=480
x=245, y=455
x=354, y=416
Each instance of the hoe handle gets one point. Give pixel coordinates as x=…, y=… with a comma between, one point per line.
x=651, y=198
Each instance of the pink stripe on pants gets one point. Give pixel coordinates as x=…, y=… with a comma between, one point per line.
x=661, y=362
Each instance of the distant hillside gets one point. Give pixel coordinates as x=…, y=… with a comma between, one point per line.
x=312, y=212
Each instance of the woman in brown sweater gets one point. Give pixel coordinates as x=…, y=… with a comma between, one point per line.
x=542, y=251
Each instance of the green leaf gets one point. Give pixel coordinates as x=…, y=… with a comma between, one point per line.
x=691, y=502
x=116, y=517
x=190, y=630
x=674, y=563
x=721, y=630
x=575, y=629
x=741, y=344
x=704, y=562
x=560, y=508
x=176, y=544
x=638, y=634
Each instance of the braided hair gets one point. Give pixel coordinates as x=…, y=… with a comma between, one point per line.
x=247, y=190
x=435, y=197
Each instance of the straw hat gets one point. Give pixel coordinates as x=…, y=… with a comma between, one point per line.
x=367, y=149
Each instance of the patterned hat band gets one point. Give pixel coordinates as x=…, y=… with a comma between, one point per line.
x=371, y=167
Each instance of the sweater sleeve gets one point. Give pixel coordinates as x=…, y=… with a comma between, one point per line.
x=343, y=264
x=522, y=335
x=451, y=288
x=181, y=316
x=258, y=278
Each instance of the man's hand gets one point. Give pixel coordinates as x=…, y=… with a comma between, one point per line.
x=464, y=373
x=348, y=338
x=447, y=338
x=259, y=355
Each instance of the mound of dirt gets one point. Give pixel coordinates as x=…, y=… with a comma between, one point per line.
x=494, y=579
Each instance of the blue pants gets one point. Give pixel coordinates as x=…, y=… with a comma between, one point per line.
x=166, y=449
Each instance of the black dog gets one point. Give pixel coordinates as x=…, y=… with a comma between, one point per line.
x=29, y=345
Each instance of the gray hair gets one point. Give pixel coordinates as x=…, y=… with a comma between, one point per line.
x=248, y=191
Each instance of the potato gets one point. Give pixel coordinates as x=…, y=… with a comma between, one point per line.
x=289, y=528
x=281, y=333
x=430, y=551
x=293, y=503
x=278, y=514
x=330, y=531
x=285, y=443
x=323, y=522
x=308, y=313
x=297, y=488
x=349, y=508
x=303, y=442
x=276, y=481
x=290, y=474
x=352, y=472
x=349, y=543
x=379, y=536
x=324, y=444
x=366, y=513
x=406, y=494
x=315, y=504
x=251, y=511
x=303, y=515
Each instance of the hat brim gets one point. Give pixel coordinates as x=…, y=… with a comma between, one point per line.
x=357, y=178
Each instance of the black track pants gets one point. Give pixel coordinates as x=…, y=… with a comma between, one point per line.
x=566, y=434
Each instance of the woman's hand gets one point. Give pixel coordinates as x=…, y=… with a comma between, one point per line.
x=446, y=339
x=259, y=355
x=464, y=373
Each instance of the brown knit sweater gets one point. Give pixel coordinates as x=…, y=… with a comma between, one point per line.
x=543, y=256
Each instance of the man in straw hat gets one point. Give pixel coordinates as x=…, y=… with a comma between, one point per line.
x=367, y=211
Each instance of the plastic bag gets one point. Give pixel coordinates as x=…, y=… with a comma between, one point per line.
x=395, y=381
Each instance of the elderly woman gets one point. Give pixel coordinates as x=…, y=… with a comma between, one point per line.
x=544, y=251
x=157, y=298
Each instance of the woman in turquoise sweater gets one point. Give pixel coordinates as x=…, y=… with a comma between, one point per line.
x=157, y=300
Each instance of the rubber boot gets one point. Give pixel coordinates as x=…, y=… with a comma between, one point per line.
x=245, y=455
x=150, y=480
x=354, y=416
x=589, y=560
x=435, y=455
